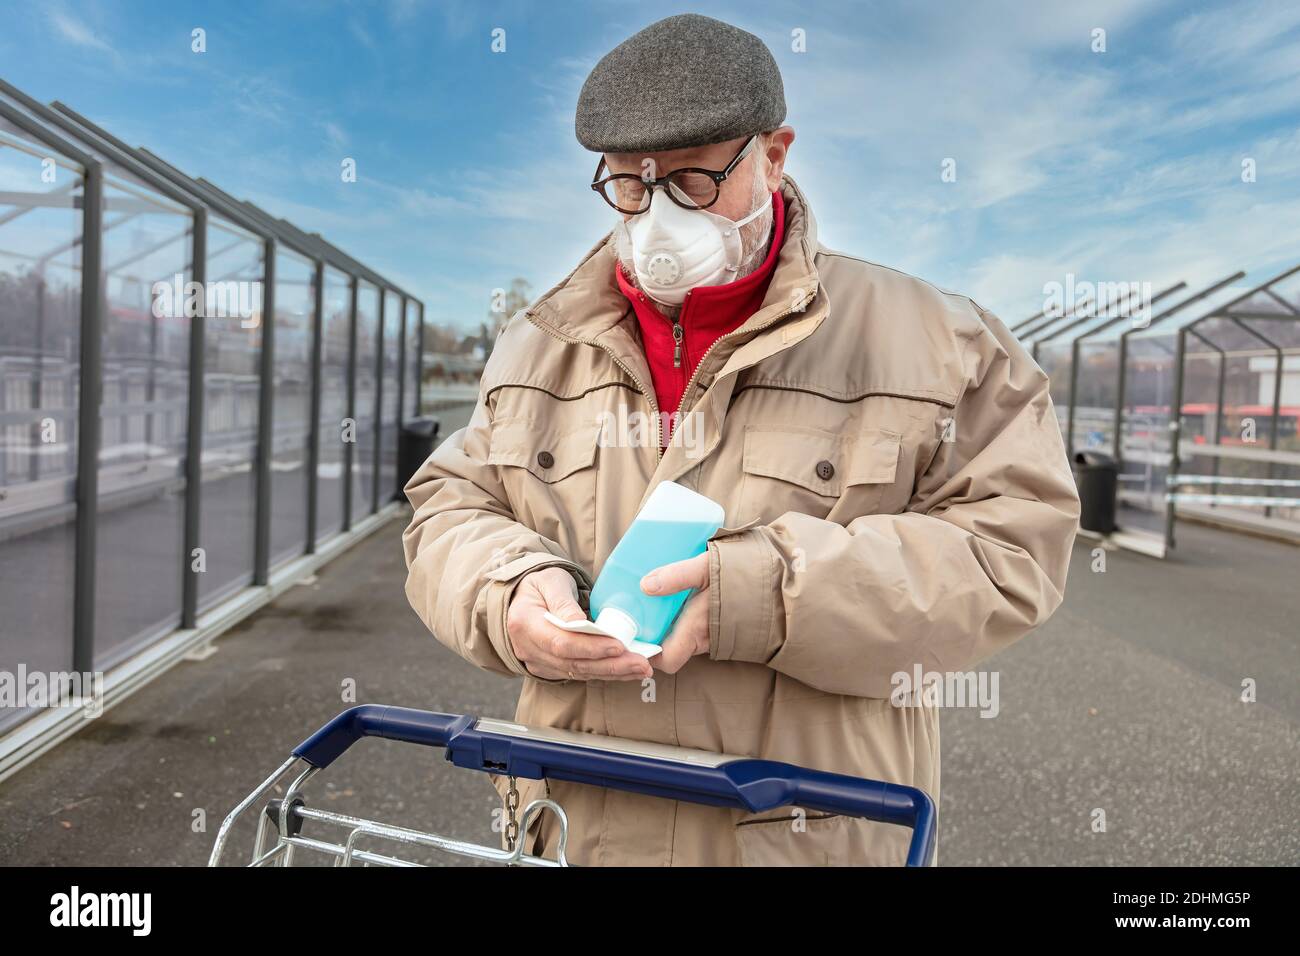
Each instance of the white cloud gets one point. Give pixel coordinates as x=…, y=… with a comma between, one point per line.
x=364, y=37
x=74, y=31
x=337, y=135
x=1106, y=165
x=1111, y=166
x=1236, y=32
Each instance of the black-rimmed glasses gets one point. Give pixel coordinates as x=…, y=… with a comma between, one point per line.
x=691, y=187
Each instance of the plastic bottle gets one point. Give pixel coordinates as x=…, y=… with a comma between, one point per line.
x=674, y=524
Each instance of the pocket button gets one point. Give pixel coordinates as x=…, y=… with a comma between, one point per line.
x=825, y=470
x=545, y=459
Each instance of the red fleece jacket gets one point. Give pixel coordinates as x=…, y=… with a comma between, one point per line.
x=708, y=313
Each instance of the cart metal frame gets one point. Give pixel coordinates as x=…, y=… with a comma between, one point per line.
x=516, y=750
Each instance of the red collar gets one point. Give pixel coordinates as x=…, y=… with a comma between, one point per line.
x=708, y=312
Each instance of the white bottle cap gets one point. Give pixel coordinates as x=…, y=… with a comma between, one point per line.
x=617, y=624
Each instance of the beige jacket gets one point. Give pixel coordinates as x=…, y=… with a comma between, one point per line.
x=892, y=462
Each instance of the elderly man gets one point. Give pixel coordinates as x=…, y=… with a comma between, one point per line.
x=896, y=490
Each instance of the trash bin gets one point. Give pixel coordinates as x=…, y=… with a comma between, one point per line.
x=414, y=445
x=1097, y=477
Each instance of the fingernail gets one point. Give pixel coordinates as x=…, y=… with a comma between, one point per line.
x=614, y=651
x=650, y=582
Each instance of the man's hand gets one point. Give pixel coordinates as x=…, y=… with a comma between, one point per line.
x=556, y=654
x=690, y=634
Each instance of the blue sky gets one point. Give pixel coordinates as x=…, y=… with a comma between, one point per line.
x=1115, y=166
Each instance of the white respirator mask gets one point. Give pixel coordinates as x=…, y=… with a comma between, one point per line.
x=673, y=250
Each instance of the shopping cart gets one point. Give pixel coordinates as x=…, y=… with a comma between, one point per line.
x=515, y=750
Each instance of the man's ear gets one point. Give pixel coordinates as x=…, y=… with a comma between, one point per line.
x=776, y=147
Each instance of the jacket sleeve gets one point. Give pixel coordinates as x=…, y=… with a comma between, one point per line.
x=978, y=559
x=466, y=552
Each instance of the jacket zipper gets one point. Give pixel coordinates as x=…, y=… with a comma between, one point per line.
x=690, y=383
x=679, y=335
x=648, y=396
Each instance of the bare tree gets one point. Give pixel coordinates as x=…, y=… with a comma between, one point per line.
x=506, y=302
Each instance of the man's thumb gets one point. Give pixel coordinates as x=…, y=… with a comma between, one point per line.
x=678, y=576
x=560, y=595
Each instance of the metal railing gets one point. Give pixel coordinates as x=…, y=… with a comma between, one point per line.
x=127, y=423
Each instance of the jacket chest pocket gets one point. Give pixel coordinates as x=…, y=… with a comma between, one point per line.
x=549, y=475
x=816, y=472
x=785, y=838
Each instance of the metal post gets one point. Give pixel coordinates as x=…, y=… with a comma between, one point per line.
x=38, y=375
x=1118, y=446
x=194, y=421
x=352, y=407
x=1223, y=359
x=265, y=422
x=313, y=441
x=419, y=366
x=376, y=458
x=1175, y=431
x=1218, y=415
x=401, y=391
x=83, y=628
x=1277, y=420
x=1074, y=398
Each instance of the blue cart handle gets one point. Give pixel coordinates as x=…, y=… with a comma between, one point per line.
x=660, y=770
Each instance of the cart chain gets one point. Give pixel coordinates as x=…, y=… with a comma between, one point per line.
x=512, y=817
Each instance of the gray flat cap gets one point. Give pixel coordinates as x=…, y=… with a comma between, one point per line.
x=688, y=80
